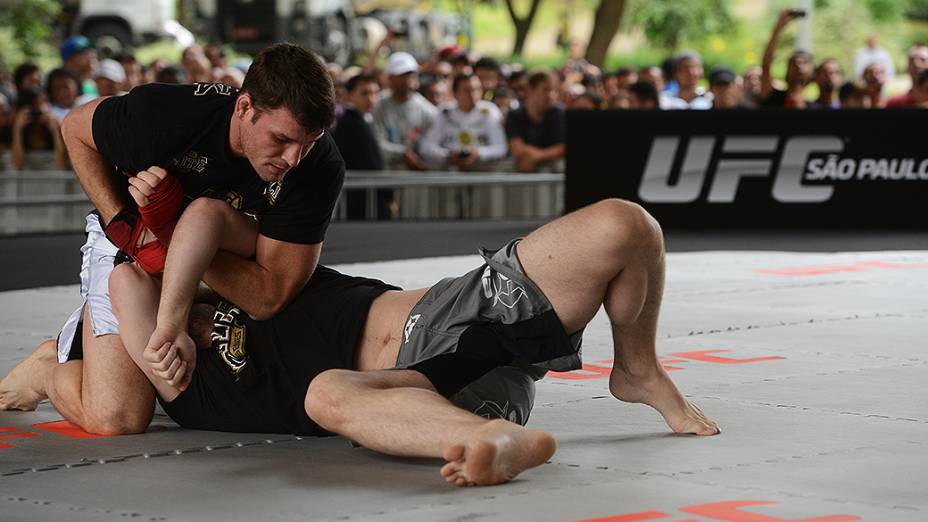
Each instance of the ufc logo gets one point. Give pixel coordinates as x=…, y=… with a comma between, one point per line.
x=739, y=157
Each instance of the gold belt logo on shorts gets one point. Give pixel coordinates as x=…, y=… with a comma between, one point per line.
x=228, y=336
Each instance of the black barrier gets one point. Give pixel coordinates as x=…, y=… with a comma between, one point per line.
x=762, y=168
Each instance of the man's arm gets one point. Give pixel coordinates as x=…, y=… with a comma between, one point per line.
x=266, y=285
x=93, y=171
x=766, y=77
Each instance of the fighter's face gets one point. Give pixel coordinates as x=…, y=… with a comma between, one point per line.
x=272, y=140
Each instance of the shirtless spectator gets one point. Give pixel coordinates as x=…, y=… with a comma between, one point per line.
x=918, y=62
x=536, y=130
x=799, y=70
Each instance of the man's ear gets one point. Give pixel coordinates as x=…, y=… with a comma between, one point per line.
x=243, y=104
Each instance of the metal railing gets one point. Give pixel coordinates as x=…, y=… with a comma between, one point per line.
x=52, y=201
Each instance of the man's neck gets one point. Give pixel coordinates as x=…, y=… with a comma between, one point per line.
x=401, y=98
x=688, y=94
x=826, y=97
x=235, y=141
x=535, y=113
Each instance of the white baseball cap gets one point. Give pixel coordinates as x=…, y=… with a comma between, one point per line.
x=401, y=63
x=111, y=70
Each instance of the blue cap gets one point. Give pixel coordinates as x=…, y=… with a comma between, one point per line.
x=73, y=45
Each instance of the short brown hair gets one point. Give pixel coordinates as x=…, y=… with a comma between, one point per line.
x=539, y=77
x=287, y=75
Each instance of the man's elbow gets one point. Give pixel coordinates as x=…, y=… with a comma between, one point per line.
x=268, y=306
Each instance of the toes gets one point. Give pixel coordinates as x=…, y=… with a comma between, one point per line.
x=453, y=453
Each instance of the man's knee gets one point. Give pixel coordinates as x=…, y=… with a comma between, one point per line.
x=327, y=397
x=116, y=422
x=209, y=208
x=123, y=279
x=624, y=224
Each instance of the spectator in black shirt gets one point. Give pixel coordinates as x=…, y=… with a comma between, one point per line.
x=356, y=141
x=725, y=92
x=799, y=70
x=536, y=130
x=35, y=129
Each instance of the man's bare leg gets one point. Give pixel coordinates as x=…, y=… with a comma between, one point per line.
x=24, y=387
x=398, y=412
x=105, y=393
x=612, y=253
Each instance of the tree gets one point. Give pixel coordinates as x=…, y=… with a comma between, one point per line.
x=30, y=21
x=606, y=24
x=522, y=24
x=667, y=23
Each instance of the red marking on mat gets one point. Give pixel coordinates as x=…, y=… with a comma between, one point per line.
x=5, y=429
x=730, y=512
x=10, y=433
x=833, y=269
x=667, y=362
x=723, y=512
x=703, y=355
x=23, y=435
x=67, y=429
x=631, y=517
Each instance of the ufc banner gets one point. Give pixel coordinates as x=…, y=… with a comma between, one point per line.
x=754, y=168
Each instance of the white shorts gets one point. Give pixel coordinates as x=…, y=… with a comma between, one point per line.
x=98, y=260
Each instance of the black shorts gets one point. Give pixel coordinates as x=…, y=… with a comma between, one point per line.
x=255, y=375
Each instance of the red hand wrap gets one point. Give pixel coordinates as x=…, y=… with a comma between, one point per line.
x=151, y=256
x=124, y=230
x=163, y=208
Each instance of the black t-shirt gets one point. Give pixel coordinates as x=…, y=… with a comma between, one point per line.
x=185, y=130
x=356, y=142
x=545, y=134
x=254, y=376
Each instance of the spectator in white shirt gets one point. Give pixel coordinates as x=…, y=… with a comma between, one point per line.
x=467, y=131
x=873, y=54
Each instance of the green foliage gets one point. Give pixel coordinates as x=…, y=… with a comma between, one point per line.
x=917, y=9
x=30, y=24
x=667, y=23
x=885, y=10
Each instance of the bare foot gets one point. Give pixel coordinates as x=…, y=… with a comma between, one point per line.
x=24, y=387
x=498, y=452
x=660, y=392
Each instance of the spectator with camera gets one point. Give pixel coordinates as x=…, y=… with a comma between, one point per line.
x=799, y=69
x=468, y=132
x=36, y=134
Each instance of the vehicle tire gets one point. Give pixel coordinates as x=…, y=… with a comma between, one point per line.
x=109, y=38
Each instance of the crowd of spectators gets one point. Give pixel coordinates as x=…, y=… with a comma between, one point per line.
x=458, y=111
x=33, y=103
